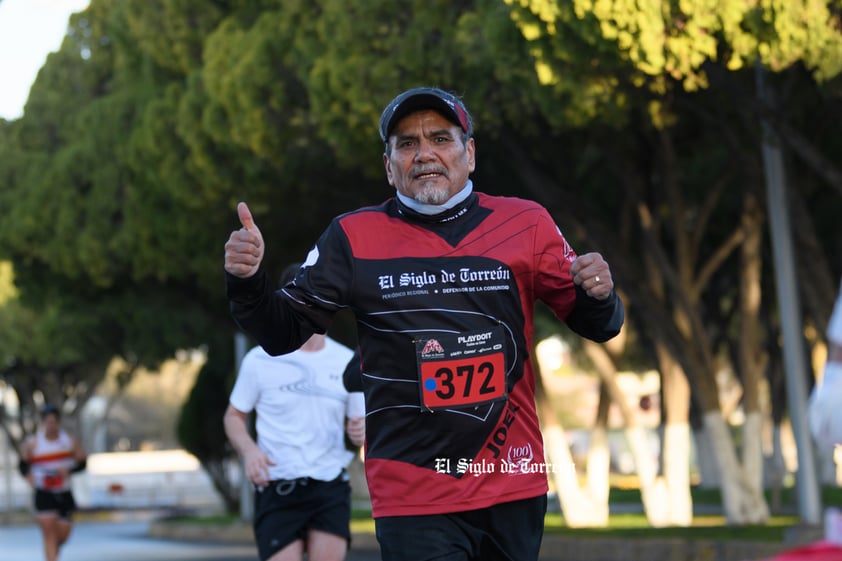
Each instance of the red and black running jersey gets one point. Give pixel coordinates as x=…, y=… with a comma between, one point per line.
x=444, y=309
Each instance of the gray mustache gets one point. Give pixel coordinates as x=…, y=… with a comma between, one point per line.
x=428, y=169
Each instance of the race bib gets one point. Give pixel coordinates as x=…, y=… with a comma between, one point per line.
x=460, y=370
x=53, y=481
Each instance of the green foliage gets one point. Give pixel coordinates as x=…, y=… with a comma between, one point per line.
x=172, y=33
x=677, y=39
x=200, y=428
x=7, y=283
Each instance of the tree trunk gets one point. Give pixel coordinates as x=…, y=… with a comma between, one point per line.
x=579, y=506
x=752, y=360
x=675, y=449
x=599, y=466
x=741, y=501
x=706, y=459
x=775, y=469
x=752, y=451
x=652, y=488
x=676, y=462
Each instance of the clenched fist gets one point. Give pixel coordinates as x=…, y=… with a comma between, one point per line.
x=591, y=272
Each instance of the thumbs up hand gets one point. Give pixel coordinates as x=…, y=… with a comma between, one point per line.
x=244, y=248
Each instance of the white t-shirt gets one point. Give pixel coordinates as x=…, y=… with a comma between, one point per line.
x=301, y=405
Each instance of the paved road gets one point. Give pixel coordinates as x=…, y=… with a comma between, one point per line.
x=126, y=541
x=125, y=537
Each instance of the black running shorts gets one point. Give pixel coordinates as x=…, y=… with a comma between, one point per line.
x=285, y=510
x=60, y=502
x=503, y=532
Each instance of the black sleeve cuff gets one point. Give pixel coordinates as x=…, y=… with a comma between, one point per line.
x=597, y=320
x=242, y=290
x=352, y=378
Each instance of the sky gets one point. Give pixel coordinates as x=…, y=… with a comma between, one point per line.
x=29, y=31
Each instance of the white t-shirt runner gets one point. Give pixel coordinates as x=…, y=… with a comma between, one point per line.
x=301, y=405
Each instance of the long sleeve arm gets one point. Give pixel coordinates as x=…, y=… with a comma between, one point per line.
x=267, y=315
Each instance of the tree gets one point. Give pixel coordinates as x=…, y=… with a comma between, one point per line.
x=200, y=428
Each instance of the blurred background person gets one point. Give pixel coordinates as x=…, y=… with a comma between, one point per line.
x=48, y=458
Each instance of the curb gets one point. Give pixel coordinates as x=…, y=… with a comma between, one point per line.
x=238, y=533
x=565, y=548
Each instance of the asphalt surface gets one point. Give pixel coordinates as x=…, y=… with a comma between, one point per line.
x=128, y=540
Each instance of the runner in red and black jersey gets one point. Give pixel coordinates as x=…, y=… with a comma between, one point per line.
x=442, y=281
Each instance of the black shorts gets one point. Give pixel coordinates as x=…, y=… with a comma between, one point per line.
x=61, y=502
x=285, y=510
x=504, y=532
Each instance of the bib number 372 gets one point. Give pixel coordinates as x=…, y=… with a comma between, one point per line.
x=462, y=370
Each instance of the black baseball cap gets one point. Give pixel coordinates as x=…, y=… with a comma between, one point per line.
x=447, y=104
x=50, y=409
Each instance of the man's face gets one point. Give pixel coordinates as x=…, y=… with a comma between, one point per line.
x=51, y=424
x=427, y=159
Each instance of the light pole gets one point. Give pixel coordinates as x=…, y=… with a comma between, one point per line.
x=246, y=489
x=806, y=481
